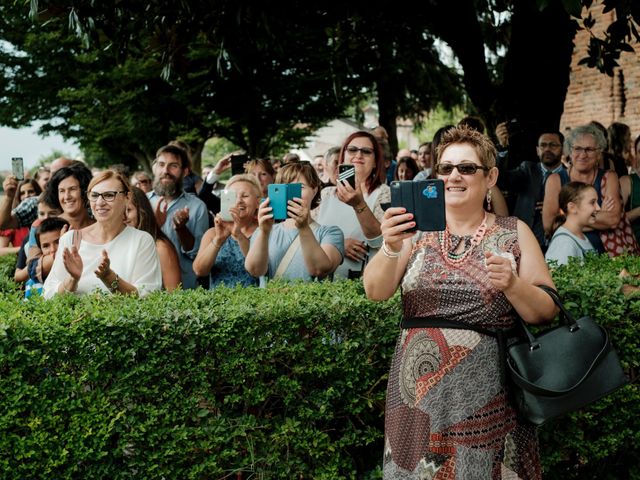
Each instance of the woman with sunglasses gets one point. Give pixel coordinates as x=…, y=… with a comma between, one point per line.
x=447, y=407
x=107, y=256
x=357, y=208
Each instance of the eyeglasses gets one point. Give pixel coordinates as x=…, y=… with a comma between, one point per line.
x=549, y=145
x=353, y=150
x=106, y=196
x=463, y=168
x=587, y=150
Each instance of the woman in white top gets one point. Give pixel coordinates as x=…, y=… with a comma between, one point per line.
x=357, y=211
x=107, y=255
x=578, y=207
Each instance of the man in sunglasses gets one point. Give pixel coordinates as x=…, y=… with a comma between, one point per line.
x=528, y=181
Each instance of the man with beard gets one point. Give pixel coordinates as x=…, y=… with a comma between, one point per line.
x=528, y=180
x=182, y=216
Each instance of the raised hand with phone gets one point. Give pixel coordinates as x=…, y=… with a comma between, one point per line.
x=225, y=245
x=453, y=280
x=355, y=203
x=295, y=247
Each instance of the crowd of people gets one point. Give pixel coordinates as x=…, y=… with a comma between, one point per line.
x=333, y=230
x=447, y=407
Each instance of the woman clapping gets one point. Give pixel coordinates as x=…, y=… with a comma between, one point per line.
x=108, y=256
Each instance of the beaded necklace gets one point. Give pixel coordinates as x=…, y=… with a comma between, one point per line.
x=446, y=243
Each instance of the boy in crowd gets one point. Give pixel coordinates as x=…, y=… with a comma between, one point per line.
x=47, y=235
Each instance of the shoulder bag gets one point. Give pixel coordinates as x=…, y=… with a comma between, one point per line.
x=563, y=368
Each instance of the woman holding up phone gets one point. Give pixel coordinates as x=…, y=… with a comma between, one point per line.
x=297, y=248
x=224, y=246
x=357, y=207
x=447, y=407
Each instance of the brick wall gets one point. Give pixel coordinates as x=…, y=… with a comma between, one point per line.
x=596, y=96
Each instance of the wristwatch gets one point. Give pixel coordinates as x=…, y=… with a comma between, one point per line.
x=113, y=286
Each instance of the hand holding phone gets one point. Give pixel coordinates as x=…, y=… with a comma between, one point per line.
x=227, y=200
x=279, y=196
x=347, y=172
x=237, y=163
x=17, y=168
x=424, y=199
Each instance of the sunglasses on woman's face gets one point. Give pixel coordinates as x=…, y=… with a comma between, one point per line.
x=353, y=150
x=463, y=168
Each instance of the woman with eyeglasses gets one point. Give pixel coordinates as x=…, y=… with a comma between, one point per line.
x=611, y=232
x=107, y=256
x=447, y=406
x=357, y=209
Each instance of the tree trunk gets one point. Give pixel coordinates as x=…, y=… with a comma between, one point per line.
x=536, y=75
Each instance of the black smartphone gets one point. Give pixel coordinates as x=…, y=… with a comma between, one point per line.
x=237, y=163
x=348, y=173
x=425, y=199
x=17, y=168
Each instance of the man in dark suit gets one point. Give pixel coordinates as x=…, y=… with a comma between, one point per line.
x=527, y=181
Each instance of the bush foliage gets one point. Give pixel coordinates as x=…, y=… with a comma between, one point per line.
x=283, y=382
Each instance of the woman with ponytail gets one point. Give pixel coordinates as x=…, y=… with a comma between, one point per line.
x=578, y=208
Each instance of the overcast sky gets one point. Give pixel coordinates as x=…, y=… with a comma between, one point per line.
x=26, y=143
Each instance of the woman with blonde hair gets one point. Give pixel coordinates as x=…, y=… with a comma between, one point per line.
x=224, y=246
x=263, y=171
x=108, y=255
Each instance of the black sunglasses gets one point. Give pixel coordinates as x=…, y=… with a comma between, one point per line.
x=354, y=150
x=463, y=168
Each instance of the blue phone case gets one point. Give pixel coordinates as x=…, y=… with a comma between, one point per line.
x=279, y=195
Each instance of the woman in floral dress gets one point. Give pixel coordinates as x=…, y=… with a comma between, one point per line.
x=448, y=414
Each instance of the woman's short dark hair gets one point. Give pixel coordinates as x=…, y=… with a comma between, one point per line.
x=78, y=171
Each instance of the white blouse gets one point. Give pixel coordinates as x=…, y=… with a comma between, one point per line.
x=132, y=254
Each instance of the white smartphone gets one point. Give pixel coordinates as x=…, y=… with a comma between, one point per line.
x=227, y=200
x=17, y=168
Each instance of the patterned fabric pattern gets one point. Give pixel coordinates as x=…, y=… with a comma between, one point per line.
x=229, y=267
x=447, y=414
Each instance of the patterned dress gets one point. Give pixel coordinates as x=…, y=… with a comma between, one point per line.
x=447, y=415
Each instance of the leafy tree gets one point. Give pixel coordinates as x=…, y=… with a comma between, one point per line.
x=124, y=79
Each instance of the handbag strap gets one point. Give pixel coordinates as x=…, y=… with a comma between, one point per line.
x=291, y=251
x=573, y=326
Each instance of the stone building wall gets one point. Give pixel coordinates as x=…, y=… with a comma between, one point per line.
x=596, y=96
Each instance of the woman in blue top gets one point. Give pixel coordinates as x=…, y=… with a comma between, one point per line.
x=275, y=250
x=224, y=247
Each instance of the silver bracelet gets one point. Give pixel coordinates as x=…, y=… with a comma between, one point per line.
x=388, y=253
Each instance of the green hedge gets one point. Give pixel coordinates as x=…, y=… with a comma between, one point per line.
x=286, y=382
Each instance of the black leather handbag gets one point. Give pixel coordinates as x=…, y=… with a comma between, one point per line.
x=563, y=368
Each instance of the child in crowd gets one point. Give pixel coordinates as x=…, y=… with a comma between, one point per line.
x=47, y=235
x=33, y=272
x=578, y=208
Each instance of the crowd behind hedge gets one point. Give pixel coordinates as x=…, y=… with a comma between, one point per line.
x=283, y=382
